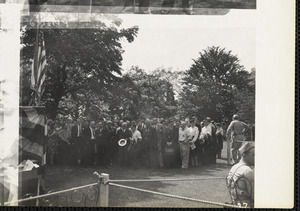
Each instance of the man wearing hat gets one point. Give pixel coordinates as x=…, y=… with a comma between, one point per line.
x=240, y=180
x=235, y=133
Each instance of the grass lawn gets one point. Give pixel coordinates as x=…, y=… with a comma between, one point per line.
x=60, y=178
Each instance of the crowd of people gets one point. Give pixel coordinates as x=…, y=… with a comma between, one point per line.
x=150, y=143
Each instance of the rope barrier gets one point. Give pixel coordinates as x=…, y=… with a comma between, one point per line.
x=50, y=194
x=168, y=179
x=174, y=196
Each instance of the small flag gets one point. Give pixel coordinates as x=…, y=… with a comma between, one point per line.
x=38, y=73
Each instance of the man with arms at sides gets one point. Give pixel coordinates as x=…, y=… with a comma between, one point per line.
x=240, y=180
x=235, y=133
x=175, y=137
x=184, y=145
x=76, y=134
x=106, y=144
x=148, y=133
x=90, y=137
x=193, y=137
x=161, y=139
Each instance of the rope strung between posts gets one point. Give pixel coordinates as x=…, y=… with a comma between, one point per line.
x=50, y=194
x=174, y=196
x=168, y=179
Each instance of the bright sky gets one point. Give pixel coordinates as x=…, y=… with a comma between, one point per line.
x=172, y=41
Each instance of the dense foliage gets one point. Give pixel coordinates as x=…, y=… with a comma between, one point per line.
x=83, y=67
x=217, y=85
x=85, y=78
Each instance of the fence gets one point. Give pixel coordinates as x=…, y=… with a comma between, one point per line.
x=97, y=194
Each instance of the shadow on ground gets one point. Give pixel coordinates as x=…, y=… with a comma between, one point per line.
x=64, y=177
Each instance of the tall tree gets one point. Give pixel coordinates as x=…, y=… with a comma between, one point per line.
x=83, y=65
x=145, y=95
x=211, y=83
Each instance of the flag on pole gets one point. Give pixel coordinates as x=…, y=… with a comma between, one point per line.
x=38, y=74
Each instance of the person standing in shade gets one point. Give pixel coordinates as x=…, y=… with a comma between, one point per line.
x=206, y=140
x=124, y=133
x=148, y=134
x=235, y=134
x=134, y=147
x=90, y=138
x=106, y=144
x=175, y=138
x=240, y=180
x=76, y=134
x=161, y=139
x=193, y=137
x=184, y=145
x=219, y=139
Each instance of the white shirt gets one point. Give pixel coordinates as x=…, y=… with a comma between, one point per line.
x=136, y=136
x=193, y=133
x=206, y=130
x=92, y=133
x=78, y=130
x=183, y=134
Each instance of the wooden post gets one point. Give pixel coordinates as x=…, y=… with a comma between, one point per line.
x=103, y=192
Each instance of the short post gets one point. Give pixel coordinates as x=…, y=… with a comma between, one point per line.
x=103, y=192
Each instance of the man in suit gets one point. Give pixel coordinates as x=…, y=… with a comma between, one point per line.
x=90, y=141
x=175, y=137
x=148, y=134
x=124, y=133
x=76, y=135
x=106, y=143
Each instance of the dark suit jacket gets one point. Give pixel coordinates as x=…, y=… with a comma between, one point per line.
x=74, y=131
x=124, y=135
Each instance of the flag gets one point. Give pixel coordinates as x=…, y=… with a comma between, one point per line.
x=32, y=135
x=38, y=73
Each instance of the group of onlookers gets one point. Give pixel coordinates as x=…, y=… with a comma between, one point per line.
x=145, y=143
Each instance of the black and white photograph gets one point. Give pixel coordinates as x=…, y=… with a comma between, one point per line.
x=165, y=7
x=132, y=104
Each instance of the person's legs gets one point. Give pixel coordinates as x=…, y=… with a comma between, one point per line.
x=128, y=3
x=186, y=156
x=128, y=6
x=184, y=151
x=187, y=8
x=235, y=147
